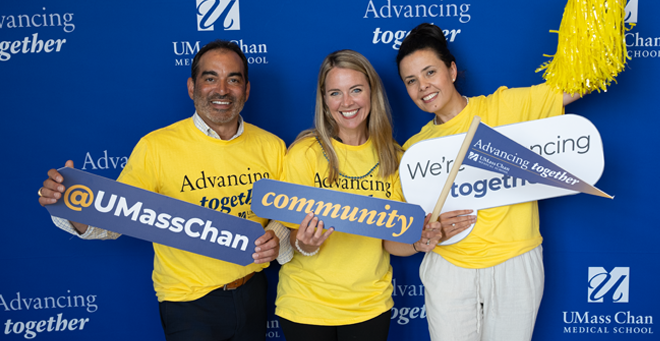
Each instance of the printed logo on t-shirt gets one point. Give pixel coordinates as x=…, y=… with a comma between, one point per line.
x=365, y=186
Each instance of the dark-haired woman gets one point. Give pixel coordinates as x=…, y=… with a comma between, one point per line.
x=489, y=285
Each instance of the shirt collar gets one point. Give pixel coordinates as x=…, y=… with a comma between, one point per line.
x=204, y=128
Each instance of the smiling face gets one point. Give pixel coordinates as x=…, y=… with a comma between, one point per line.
x=220, y=89
x=347, y=96
x=430, y=83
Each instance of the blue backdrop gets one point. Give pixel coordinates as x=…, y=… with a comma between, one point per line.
x=85, y=80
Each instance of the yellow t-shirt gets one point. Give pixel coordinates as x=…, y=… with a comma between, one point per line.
x=502, y=232
x=181, y=162
x=350, y=279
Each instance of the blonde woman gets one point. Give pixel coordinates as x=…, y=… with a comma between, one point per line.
x=338, y=285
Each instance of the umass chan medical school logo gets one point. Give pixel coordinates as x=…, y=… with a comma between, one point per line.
x=631, y=11
x=642, y=44
x=224, y=13
x=613, y=285
x=607, y=288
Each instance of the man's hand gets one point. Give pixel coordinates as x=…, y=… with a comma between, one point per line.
x=267, y=248
x=53, y=190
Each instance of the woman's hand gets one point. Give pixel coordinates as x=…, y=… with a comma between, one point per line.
x=449, y=224
x=455, y=222
x=431, y=236
x=310, y=235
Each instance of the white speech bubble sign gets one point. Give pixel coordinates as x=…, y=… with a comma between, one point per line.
x=570, y=141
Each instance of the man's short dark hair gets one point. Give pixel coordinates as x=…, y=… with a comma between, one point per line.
x=219, y=45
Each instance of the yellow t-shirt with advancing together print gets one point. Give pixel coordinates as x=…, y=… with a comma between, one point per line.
x=181, y=162
x=350, y=279
x=502, y=232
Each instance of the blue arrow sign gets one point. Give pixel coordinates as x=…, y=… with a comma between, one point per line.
x=350, y=213
x=101, y=202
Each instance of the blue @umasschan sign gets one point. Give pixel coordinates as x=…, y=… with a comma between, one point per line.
x=350, y=213
x=101, y=202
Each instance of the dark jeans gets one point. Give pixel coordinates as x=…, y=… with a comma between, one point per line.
x=236, y=315
x=375, y=329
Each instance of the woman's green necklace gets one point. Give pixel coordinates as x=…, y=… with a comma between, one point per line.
x=344, y=175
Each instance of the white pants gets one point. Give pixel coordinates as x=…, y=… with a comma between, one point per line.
x=492, y=304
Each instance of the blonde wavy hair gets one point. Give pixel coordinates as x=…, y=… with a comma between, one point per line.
x=379, y=121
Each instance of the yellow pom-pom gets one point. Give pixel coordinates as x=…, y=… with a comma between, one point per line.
x=591, y=50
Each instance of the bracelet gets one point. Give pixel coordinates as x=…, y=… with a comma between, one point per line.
x=414, y=248
x=308, y=254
